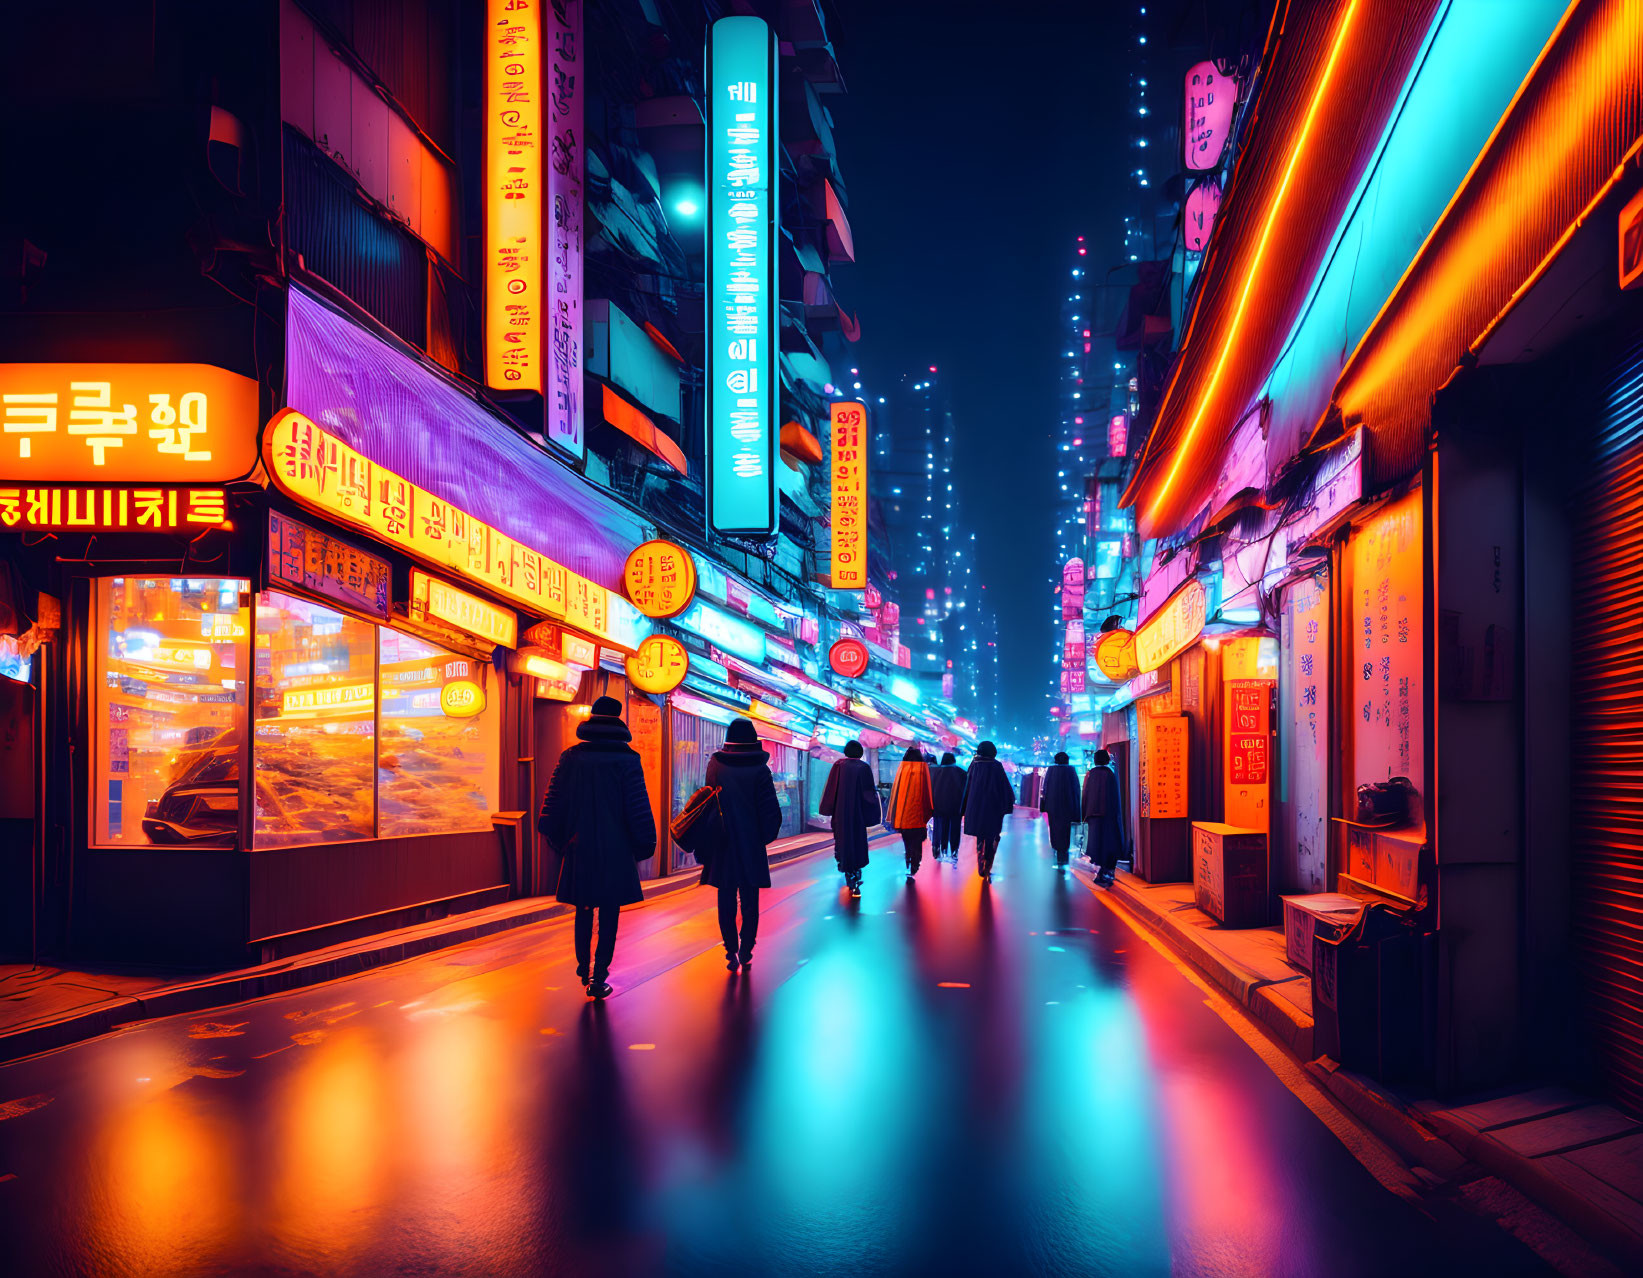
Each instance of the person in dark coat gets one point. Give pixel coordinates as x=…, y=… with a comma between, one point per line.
x=988, y=799
x=1061, y=804
x=851, y=800
x=596, y=816
x=1104, y=816
x=947, y=797
x=910, y=809
x=740, y=863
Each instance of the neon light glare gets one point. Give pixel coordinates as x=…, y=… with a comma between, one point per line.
x=1181, y=449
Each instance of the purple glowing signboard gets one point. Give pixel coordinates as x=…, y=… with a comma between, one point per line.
x=1203, y=203
x=1207, y=121
x=1072, y=590
x=566, y=87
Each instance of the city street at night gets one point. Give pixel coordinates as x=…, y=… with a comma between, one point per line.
x=942, y=1077
x=814, y=637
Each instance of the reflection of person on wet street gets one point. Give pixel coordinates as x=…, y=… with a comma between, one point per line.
x=740, y=864
x=910, y=808
x=947, y=797
x=851, y=801
x=988, y=798
x=1060, y=803
x=596, y=816
x=1105, y=821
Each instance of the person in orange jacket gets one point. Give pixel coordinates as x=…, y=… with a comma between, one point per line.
x=910, y=806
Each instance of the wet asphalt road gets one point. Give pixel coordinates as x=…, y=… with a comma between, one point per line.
x=941, y=1078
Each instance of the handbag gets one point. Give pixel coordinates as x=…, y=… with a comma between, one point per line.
x=701, y=824
x=1384, y=802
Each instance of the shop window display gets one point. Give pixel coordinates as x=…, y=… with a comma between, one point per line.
x=171, y=657
x=314, y=724
x=438, y=739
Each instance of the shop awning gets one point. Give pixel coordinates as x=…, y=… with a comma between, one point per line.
x=385, y=403
x=641, y=430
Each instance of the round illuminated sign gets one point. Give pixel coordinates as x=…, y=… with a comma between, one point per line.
x=1115, y=655
x=660, y=665
x=461, y=699
x=660, y=579
x=848, y=657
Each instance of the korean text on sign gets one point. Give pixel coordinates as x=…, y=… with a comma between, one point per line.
x=133, y=423
x=319, y=470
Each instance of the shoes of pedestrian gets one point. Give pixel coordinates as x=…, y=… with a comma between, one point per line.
x=599, y=989
x=747, y=960
x=855, y=890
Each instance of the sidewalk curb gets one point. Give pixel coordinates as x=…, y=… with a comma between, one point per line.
x=1249, y=989
x=1433, y=1141
x=283, y=975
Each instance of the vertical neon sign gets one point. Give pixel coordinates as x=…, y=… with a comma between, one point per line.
x=741, y=302
x=513, y=196
x=849, y=463
x=566, y=90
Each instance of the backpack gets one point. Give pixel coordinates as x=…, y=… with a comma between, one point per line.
x=701, y=825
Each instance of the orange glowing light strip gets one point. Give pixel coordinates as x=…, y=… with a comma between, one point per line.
x=1255, y=265
x=1451, y=274
x=514, y=308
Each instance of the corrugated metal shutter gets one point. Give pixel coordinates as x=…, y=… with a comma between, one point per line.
x=1607, y=737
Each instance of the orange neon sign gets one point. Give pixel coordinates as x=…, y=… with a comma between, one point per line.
x=84, y=508
x=660, y=665
x=317, y=469
x=849, y=474
x=1185, y=445
x=131, y=423
x=660, y=578
x=514, y=302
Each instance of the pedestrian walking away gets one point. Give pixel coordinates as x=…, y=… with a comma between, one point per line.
x=596, y=818
x=1104, y=818
x=988, y=799
x=738, y=863
x=947, y=797
x=850, y=801
x=1061, y=804
x=910, y=808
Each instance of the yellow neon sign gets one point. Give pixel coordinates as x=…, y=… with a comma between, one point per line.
x=314, y=467
x=514, y=302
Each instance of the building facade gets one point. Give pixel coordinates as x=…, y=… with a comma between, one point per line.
x=327, y=448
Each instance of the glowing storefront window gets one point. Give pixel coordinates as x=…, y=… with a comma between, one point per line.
x=314, y=724
x=438, y=741
x=171, y=656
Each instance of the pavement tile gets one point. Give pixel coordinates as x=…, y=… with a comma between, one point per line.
x=1618, y=1163
x=1515, y=1108
x=1560, y=1131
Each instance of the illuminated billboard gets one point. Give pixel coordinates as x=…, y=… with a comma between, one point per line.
x=849, y=475
x=742, y=383
x=513, y=197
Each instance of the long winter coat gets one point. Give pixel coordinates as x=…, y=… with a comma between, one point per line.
x=596, y=816
x=753, y=818
x=910, y=807
x=1102, y=809
x=851, y=799
x=988, y=798
x=1059, y=799
x=947, y=789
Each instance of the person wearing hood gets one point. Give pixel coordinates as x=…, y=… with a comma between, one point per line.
x=988, y=799
x=910, y=808
x=851, y=801
x=1060, y=802
x=1104, y=817
x=596, y=817
x=947, y=797
x=738, y=865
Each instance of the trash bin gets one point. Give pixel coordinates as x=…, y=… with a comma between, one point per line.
x=1369, y=1003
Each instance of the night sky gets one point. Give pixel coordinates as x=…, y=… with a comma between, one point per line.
x=973, y=148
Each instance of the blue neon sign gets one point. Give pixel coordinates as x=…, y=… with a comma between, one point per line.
x=742, y=381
